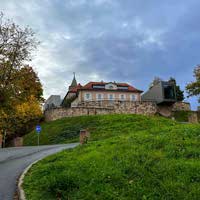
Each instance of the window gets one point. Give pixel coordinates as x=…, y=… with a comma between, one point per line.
x=122, y=88
x=111, y=96
x=98, y=86
x=122, y=96
x=99, y=96
x=169, y=92
x=133, y=97
x=87, y=96
x=110, y=87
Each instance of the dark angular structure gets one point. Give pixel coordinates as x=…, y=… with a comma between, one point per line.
x=53, y=101
x=162, y=93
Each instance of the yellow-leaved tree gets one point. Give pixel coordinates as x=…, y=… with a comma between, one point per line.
x=27, y=114
x=20, y=88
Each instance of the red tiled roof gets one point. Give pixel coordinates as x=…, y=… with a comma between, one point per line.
x=75, y=89
x=89, y=86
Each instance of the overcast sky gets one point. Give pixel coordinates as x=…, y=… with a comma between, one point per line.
x=112, y=40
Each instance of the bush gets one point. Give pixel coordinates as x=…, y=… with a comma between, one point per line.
x=181, y=116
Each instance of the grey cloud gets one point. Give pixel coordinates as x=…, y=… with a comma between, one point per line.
x=130, y=40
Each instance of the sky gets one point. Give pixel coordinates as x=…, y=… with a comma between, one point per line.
x=129, y=41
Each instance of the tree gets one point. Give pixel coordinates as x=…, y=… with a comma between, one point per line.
x=155, y=81
x=16, y=45
x=193, y=88
x=67, y=101
x=179, y=92
x=20, y=86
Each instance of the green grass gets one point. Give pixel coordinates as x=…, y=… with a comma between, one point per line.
x=129, y=157
x=181, y=116
x=101, y=126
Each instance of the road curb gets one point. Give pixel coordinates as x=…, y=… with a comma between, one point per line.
x=20, y=190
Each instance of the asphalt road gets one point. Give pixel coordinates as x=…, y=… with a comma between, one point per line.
x=14, y=160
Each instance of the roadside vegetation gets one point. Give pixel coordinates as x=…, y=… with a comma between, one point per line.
x=128, y=157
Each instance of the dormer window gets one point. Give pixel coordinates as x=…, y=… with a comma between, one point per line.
x=111, y=86
x=98, y=86
x=122, y=88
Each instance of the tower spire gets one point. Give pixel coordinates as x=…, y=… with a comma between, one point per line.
x=74, y=82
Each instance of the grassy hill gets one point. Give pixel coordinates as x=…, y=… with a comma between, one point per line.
x=128, y=157
x=101, y=126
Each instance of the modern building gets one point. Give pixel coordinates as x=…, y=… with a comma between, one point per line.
x=162, y=92
x=53, y=101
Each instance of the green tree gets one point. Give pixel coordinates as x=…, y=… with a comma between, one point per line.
x=19, y=83
x=179, y=92
x=155, y=81
x=193, y=88
x=16, y=45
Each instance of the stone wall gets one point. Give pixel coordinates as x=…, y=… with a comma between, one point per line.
x=193, y=117
x=18, y=142
x=167, y=110
x=146, y=108
x=121, y=107
x=181, y=106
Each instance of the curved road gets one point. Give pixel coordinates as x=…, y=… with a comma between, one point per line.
x=14, y=160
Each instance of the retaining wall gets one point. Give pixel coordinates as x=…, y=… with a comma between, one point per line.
x=117, y=107
x=146, y=108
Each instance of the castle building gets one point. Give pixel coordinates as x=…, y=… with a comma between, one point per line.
x=97, y=98
x=100, y=91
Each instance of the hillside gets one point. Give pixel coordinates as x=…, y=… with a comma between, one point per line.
x=128, y=157
x=101, y=126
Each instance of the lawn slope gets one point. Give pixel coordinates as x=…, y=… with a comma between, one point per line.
x=129, y=157
x=101, y=126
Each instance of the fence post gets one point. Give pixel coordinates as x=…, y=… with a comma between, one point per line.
x=84, y=136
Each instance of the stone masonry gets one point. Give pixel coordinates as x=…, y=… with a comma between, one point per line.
x=167, y=110
x=193, y=117
x=126, y=107
x=181, y=106
x=118, y=107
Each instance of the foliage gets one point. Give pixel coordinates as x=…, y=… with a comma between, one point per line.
x=193, y=88
x=179, y=92
x=67, y=101
x=16, y=45
x=27, y=115
x=145, y=158
x=198, y=115
x=19, y=84
x=24, y=117
x=181, y=116
x=155, y=81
